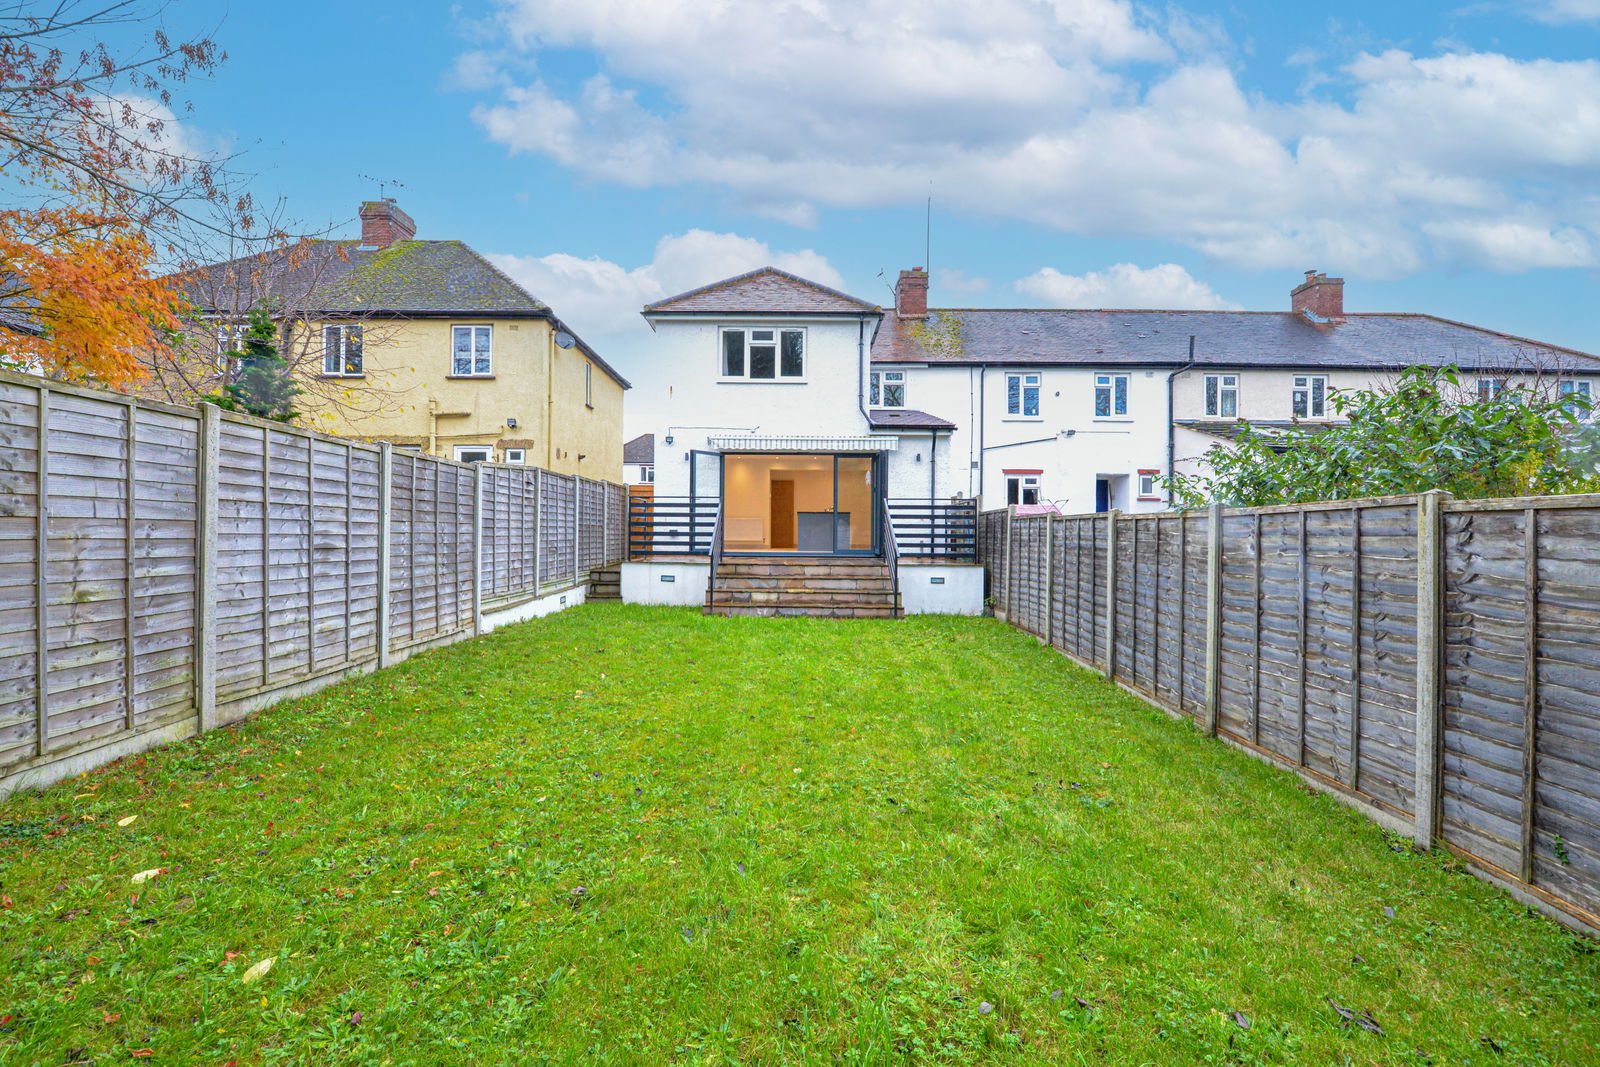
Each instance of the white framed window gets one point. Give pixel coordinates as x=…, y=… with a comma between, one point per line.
x=230, y=339
x=1489, y=388
x=470, y=351
x=1222, y=395
x=516, y=455
x=1148, y=489
x=647, y=473
x=341, y=351
x=760, y=355
x=1110, y=395
x=588, y=385
x=888, y=389
x=1569, y=387
x=1310, y=397
x=1022, y=487
x=1022, y=395
x=473, y=453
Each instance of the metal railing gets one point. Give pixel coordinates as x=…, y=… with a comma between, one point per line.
x=936, y=529
x=891, y=555
x=672, y=525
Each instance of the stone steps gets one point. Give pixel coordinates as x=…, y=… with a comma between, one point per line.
x=827, y=586
x=605, y=583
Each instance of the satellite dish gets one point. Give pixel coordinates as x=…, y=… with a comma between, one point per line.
x=565, y=339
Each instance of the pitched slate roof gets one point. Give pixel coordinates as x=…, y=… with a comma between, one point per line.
x=906, y=419
x=641, y=449
x=1222, y=338
x=408, y=277
x=768, y=291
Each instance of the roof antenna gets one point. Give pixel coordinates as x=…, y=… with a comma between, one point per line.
x=927, y=234
x=383, y=183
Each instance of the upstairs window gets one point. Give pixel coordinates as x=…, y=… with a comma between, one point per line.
x=647, y=473
x=1110, y=395
x=1489, y=388
x=588, y=385
x=1222, y=395
x=469, y=352
x=1310, y=399
x=763, y=355
x=341, y=351
x=888, y=389
x=1022, y=395
x=1580, y=407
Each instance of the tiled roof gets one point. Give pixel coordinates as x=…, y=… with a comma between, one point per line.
x=1222, y=338
x=906, y=419
x=417, y=277
x=641, y=449
x=409, y=278
x=768, y=291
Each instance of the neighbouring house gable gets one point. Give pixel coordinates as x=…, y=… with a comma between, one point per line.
x=1269, y=339
x=768, y=291
x=641, y=449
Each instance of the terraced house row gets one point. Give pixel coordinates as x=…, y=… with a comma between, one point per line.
x=805, y=422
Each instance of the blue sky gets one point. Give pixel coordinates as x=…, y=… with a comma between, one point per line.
x=1442, y=158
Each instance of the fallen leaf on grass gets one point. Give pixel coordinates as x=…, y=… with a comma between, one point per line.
x=1240, y=1019
x=1362, y=1019
x=142, y=1053
x=145, y=876
x=129, y=821
x=257, y=970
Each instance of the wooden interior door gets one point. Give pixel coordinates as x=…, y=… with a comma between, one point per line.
x=783, y=520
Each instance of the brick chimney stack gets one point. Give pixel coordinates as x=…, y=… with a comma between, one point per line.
x=383, y=223
x=911, y=294
x=1319, y=297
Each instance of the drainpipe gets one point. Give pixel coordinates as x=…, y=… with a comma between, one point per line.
x=550, y=398
x=983, y=423
x=1172, y=434
x=861, y=370
x=433, y=426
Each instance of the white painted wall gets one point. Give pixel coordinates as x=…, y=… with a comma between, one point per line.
x=1066, y=440
x=941, y=588
x=672, y=584
x=826, y=403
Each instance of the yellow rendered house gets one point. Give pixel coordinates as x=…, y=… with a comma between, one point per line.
x=427, y=345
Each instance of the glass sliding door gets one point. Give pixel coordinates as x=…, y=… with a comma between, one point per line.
x=807, y=504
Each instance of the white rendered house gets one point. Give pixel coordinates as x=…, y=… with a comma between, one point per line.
x=770, y=447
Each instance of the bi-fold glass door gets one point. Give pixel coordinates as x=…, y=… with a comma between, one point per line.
x=815, y=504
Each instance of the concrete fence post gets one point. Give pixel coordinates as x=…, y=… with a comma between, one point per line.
x=1213, y=617
x=1049, y=579
x=577, y=529
x=1111, y=593
x=41, y=575
x=385, y=544
x=477, y=549
x=1430, y=611
x=207, y=485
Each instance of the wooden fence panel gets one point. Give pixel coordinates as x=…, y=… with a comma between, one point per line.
x=1195, y=601
x=1387, y=709
x=558, y=513
x=1240, y=625
x=166, y=472
x=1327, y=648
x=591, y=525
x=1563, y=748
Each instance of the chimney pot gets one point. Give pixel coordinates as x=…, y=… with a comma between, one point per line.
x=911, y=294
x=1319, y=297
x=383, y=223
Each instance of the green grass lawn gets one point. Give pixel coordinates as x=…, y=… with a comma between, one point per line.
x=630, y=835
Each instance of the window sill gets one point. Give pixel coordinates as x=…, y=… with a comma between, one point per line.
x=1114, y=419
x=1023, y=418
x=470, y=377
x=343, y=377
x=762, y=381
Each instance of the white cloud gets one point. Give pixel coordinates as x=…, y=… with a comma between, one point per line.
x=1559, y=11
x=1124, y=285
x=602, y=299
x=1081, y=115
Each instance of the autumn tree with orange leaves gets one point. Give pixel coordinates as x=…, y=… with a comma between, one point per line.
x=98, y=189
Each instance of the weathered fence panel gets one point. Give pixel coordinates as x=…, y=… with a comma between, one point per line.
x=1322, y=655
x=160, y=566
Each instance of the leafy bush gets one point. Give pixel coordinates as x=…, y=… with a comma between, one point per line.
x=1423, y=432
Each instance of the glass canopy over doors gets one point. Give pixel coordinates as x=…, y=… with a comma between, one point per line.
x=809, y=504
